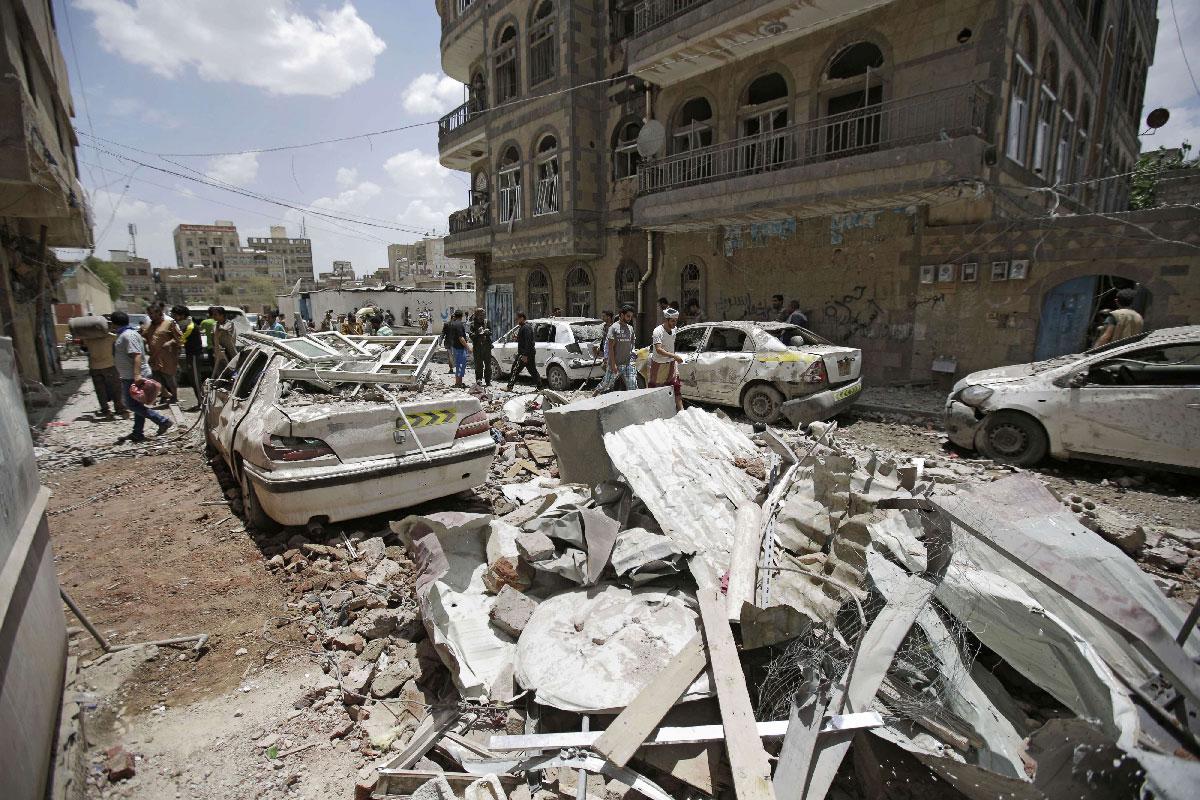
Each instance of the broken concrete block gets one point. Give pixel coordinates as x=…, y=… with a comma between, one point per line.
x=380, y=622
x=371, y=551
x=436, y=789
x=346, y=640
x=511, y=611
x=535, y=546
x=119, y=764
x=383, y=573
x=374, y=649
x=390, y=680
x=1165, y=557
x=577, y=429
x=505, y=567
x=355, y=683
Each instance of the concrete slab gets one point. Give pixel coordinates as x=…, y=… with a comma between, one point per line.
x=577, y=429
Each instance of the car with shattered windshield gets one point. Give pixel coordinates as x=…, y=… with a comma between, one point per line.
x=771, y=370
x=1136, y=400
x=565, y=351
x=328, y=427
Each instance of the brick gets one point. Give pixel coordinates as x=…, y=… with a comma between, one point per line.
x=535, y=546
x=512, y=611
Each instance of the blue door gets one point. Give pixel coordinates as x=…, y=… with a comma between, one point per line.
x=499, y=307
x=1066, y=316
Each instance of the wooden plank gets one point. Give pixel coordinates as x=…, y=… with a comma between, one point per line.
x=429, y=731
x=639, y=719
x=743, y=564
x=791, y=771
x=747, y=757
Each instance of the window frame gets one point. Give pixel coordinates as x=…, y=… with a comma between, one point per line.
x=542, y=37
x=585, y=309
x=547, y=176
x=504, y=62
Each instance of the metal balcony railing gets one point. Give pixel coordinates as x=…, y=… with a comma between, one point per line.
x=469, y=219
x=652, y=13
x=459, y=117
x=938, y=115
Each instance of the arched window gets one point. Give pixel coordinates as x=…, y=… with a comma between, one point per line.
x=1096, y=20
x=1043, y=153
x=579, y=292
x=854, y=60
x=542, y=61
x=626, y=157
x=764, y=112
x=505, y=59
x=545, y=199
x=1082, y=126
x=689, y=287
x=477, y=93
x=1020, y=92
x=539, y=293
x=693, y=126
x=1066, y=133
x=627, y=285
x=509, y=186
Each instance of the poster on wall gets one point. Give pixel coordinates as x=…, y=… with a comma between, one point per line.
x=970, y=272
x=1018, y=270
x=999, y=270
x=945, y=273
x=928, y=273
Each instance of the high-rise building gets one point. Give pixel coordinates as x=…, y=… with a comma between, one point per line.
x=206, y=245
x=248, y=264
x=425, y=259
x=296, y=253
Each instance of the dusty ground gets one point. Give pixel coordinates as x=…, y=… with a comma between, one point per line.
x=150, y=548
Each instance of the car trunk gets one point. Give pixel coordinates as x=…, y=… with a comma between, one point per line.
x=842, y=364
x=362, y=430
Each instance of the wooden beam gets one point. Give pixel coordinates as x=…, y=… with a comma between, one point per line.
x=747, y=757
x=791, y=771
x=639, y=719
x=743, y=564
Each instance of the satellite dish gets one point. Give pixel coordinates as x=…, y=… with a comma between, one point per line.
x=1157, y=118
x=651, y=139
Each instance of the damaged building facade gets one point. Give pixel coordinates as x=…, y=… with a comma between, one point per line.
x=887, y=164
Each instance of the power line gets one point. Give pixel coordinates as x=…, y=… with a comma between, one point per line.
x=1183, y=50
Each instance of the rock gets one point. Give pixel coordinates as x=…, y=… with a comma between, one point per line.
x=380, y=622
x=1184, y=536
x=119, y=764
x=371, y=551
x=577, y=429
x=355, y=683
x=297, y=541
x=1165, y=557
x=1166, y=585
x=374, y=649
x=512, y=611
x=342, y=729
x=436, y=789
x=276, y=562
x=241, y=651
x=346, y=640
x=391, y=679
x=383, y=573
x=535, y=546
x=338, y=599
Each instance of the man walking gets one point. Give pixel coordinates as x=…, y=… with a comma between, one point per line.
x=526, y=353
x=618, y=353
x=129, y=357
x=795, y=316
x=328, y=324
x=662, y=369
x=224, y=339
x=104, y=374
x=447, y=343
x=164, y=341
x=481, y=344
x=1122, y=322
x=191, y=347
x=456, y=335
x=777, y=312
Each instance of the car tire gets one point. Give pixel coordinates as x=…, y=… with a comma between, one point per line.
x=762, y=403
x=556, y=378
x=252, y=509
x=1011, y=437
x=497, y=373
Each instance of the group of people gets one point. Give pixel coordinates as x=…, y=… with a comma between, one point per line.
x=360, y=322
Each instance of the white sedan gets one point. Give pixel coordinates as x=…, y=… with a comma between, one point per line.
x=1136, y=400
x=564, y=350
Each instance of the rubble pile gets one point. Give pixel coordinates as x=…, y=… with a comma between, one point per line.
x=736, y=615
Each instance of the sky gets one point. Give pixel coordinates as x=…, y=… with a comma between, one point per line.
x=152, y=78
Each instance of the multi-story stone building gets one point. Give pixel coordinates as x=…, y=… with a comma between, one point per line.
x=137, y=280
x=424, y=259
x=248, y=264
x=187, y=285
x=722, y=151
x=296, y=253
x=206, y=245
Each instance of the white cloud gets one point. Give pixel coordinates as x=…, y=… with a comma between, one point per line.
x=353, y=199
x=268, y=44
x=418, y=174
x=240, y=169
x=424, y=216
x=133, y=107
x=347, y=177
x=155, y=223
x=1169, y=84
x=430, y=94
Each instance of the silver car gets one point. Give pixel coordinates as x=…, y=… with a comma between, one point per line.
x=566, y=350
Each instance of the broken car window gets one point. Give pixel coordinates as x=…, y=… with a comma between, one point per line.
x=249, y=378
x=688, y=341
x=1167, y=365
x=726, y=340
x=587, y=331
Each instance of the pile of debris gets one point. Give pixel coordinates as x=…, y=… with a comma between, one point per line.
x=690, y=609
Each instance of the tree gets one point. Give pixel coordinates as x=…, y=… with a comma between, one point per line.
x=1150, y=166
x=108, y=272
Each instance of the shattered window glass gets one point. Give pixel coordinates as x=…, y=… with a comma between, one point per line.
x=587, y=332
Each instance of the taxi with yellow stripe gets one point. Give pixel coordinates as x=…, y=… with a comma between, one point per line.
x=771, y=370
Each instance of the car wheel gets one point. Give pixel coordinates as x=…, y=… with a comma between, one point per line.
x=1011, y=437
x=253, y=510
x=557, y=378
x=497, y=373
x=762, y=403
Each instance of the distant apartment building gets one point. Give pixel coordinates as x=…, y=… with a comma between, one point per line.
x=249, y=264
x=137, y=279
x=424, y=259
x=340, y=276
x=296, y=253
x=187, y=285
x=719, y=152
x=206, y=245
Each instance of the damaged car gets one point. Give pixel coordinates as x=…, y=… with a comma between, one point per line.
x=1136, y=400
x=565, y=351
x=768, y=369
x=318, y=448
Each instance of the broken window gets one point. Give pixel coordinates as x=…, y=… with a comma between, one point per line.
x=855, y=60
x=509, y=187
x=689, y=341
x=1020, y=94
x=249, y=377
x=1066, y=133
x=541, y=45
x=693, y=131
x=1166, y=365
x=626, y=157
x=1047, y=103
x=764, y=116
x=725, y=340
x=627, y=285
x=1081, y=147
x=689, y=286
x=477, y=94
x=506, y=65
x=546, y=200
x=539, y=293
x=579, y=292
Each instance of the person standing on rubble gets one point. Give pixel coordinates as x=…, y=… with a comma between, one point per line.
x=224, y=339
x=1123, y=321
x=447, y=343
x=191, y=346
x=328, y=324
x=129, y=357
x=618, y=354
x=526, y=353
x=164, y=340
x=300, y=325
x=662, y=369
x=460, y=346
x=481, y=343
x=105, y=380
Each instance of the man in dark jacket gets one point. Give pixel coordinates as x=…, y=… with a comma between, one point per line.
x=526, y=352
x=481, y=344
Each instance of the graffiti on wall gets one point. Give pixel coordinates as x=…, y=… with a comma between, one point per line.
x=743, y=306
x=758, y=234
x=856, y=316
x=839, y=224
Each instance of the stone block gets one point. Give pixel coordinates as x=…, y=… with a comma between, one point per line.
x=511, y=611
x=119, y=764
x=577, y=429
x=535, y=546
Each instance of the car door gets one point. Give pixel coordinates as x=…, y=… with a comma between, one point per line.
x=689, y=341
x=220, y=389
x=1141, y=404
x=722, y=364
x=504, y=350
x=238, y=399
x=544, y=336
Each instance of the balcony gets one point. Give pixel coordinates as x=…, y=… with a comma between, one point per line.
x=462, y=37
x=888, y=153
x=462, y=136
x=674, y=40
x=469, y=219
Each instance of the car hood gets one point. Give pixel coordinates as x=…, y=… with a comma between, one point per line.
x=1016, y=373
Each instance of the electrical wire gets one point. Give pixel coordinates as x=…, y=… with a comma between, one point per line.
x=1183, y=50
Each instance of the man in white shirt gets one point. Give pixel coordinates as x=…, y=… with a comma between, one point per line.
x=129, y=357
x=661, y=371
